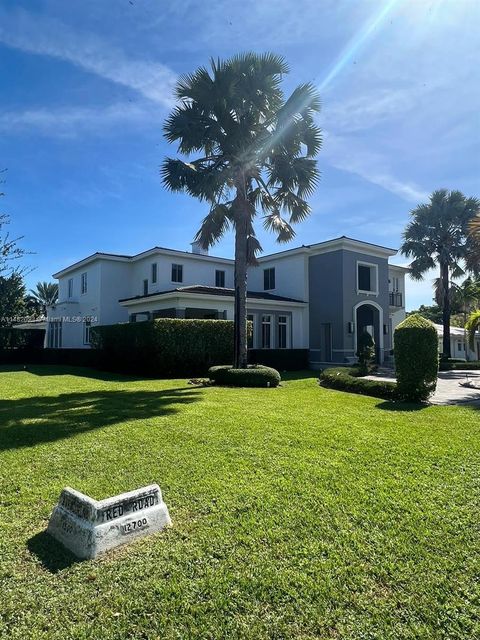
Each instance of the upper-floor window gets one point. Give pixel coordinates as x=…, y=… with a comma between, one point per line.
x=269, y=278
x=177, y=273
x=87, y=325
x=394, y=282
x=219, y=278
x=154, y=273
x=367, y=278
x=145, y=287
x=84, y=285
x=70, y=287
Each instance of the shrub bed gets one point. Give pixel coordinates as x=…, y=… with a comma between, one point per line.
x=253, y=376
x=347, y=379
x=164, y=347
x=416, y=358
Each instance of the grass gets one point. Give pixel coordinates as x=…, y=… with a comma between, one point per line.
x=299, y=512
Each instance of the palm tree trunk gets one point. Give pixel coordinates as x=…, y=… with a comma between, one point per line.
x=240, y=318
x=444, y=275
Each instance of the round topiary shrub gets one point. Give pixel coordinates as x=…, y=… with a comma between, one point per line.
x=416, y=358
x=253, y=376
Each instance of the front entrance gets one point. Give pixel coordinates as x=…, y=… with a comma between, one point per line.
x=368, y=319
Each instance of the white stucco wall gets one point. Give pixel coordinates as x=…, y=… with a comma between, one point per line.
x=291, y=276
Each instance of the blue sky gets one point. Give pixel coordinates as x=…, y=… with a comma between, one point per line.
x=86, y=87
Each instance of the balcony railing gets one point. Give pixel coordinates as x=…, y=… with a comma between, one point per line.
x=395, y=299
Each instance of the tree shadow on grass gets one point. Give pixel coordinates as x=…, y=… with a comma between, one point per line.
x=388, y=405
x=26, y=422
x=53, y=555
x=69, y=370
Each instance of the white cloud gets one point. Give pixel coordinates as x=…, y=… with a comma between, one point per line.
x=47, y=36
x=346, y=154
x=70, y=121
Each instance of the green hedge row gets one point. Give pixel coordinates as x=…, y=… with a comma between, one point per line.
x=253, y=376
x=457, y=365
x=347, y=379
x=164, y=347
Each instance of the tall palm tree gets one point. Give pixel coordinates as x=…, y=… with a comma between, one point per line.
x=46, y=293
x=473, y=257
x=438, y=236
x=256, y=156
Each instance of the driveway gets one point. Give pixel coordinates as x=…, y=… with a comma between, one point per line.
x=449, y=386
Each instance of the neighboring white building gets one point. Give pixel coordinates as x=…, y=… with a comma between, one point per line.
x=317, y=297
x=459, y=347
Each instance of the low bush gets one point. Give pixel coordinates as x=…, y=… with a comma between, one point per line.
x=252, y=376
x=416, y=358
x=347, y=379
x=164, y=347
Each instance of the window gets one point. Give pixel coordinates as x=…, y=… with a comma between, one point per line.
x=460, y=346
x=154, y=273
x=367, y=278
x=283, y=332
x=86, y=330
x=219, y=278
x=55, y=334
x=177, y=273
x=394, y=284
x=70, y=287
x=266, y=332
x=250, y=335
x=84, y=283
x=145, y=287
x=269, y=279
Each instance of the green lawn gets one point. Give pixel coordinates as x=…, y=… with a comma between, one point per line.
x=298, y=512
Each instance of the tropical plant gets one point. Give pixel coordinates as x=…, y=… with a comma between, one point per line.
x=46, y=293
x=472, y=326
x=257, y=155
x=438, y=236
x=12, y=293
x=473, y=256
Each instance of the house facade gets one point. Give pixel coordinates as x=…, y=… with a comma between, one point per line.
x=318, y=297
x=459, y=345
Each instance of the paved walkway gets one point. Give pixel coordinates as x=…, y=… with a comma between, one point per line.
x=450, y=389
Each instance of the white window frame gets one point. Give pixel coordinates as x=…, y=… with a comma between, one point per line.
x=370, y=265
x=251, y=317
x=224, y=277
x=55, y=334
x=287, y=325
x=269, y=288
x=84, y=283
x=70, y=287
x=176, y=264
x=265, y=323
x=87, y=325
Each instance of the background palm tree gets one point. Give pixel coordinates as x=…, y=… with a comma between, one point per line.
x=46, y=293
x=257, y=153
x=472, y=326
x=473, y=257
x=438, y=236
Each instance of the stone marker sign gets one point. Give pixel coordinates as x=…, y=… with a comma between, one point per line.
x=89, y=527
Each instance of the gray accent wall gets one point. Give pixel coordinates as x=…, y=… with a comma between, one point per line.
x=333, y=296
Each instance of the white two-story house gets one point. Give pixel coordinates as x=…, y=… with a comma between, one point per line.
x=318, y=297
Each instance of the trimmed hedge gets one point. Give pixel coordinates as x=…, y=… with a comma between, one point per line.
x=458, y=365
x=164, y=347
x=416, y=358
x=253, y=376
x=280, y=359
x=347, y=379
x=11, y=338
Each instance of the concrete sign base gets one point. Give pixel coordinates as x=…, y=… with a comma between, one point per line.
x=89, y=527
